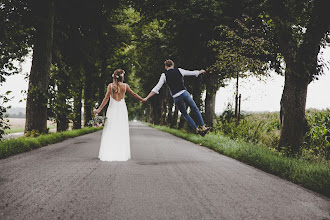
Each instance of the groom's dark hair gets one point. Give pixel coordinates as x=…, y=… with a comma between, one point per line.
x=169, y=63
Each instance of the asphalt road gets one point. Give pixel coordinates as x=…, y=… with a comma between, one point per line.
x=167, y=178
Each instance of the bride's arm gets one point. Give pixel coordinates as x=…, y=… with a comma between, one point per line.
x=105, y=100
x=133, y=93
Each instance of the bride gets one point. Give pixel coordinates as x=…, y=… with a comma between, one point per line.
x=115, y=142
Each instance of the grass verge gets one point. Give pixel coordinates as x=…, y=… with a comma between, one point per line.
x=21, y=129
x=22, y=144
x=311, y=175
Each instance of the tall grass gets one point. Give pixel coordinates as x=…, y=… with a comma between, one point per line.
x=317, y=139
x=264, y=128
x=22, y=144
x=309, y=174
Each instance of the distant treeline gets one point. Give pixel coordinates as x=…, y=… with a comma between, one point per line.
x=16, y=115
x=15, y=112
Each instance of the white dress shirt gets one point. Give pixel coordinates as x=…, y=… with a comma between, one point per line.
x=162, y=80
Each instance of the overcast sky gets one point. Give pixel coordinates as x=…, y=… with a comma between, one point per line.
x=257, y=95
x=265, y=95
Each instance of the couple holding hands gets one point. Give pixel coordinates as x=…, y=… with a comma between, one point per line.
x=115, y=142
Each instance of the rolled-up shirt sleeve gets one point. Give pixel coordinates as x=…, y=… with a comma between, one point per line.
x=160, y=83
x=188, y=72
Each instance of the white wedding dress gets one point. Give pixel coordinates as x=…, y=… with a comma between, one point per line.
x=115, y=142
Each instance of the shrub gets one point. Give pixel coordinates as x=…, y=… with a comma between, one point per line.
x=264, y=129
x=317, y=139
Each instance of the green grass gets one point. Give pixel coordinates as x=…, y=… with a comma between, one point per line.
x=22, y=144
x=264, y=128
x=14, y=130
x=311, y=175
x=21, y=129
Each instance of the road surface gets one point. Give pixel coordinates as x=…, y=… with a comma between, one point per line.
x=167, y=178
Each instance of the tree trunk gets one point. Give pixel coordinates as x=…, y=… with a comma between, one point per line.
x=293, y=104
x=197, y=93
x=174, y=120
x=181, y=122
x=87, y=98
x=101, y=81
x=62, y=125
x=170, y=111
x=77, y=108
x=209, y=108
x=197, y=97
x=211, y=91
x=36, y=104
x=236, y=97
x=301, y=67
x=62, y=111
x=163, y=108
x=155, y=111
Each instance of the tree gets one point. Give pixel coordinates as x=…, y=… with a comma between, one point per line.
x=36, y=104
x=300, y=29
x=188, y=27
x=151, y=51
x=81, y=46
x=242, y=50
x=3, y=123
x=60, y=90
x=34, y=26
x=15, y=40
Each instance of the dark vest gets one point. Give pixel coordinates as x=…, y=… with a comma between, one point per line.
x=174, y=81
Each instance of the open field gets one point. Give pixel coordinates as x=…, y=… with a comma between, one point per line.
x=18, y=124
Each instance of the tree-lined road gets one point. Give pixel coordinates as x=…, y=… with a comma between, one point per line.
x=167, y=178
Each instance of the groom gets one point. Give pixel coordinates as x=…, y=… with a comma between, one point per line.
x=174, y=80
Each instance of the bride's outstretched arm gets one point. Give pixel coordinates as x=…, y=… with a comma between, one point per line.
x=134, y=94
x=105, y=100
x=152, y=93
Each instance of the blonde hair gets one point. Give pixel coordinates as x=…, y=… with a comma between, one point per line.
x=118, y=76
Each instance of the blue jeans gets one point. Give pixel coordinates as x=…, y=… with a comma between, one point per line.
x=180, y=103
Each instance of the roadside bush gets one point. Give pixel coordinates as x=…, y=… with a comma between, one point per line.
x=317, y=139
x=264, y=129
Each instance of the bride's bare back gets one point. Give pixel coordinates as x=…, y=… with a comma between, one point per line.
x=118, y=93
x=117, y=90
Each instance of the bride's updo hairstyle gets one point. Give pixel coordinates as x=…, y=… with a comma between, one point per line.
x=118, y=76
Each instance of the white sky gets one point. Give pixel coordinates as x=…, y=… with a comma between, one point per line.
x=256, y=95
x=266, y=95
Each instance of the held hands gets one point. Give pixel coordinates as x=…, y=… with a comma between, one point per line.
x=202, y=71
x=144, y=100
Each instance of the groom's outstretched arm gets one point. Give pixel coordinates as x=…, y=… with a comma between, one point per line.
x=156, y=89
x=191, y=73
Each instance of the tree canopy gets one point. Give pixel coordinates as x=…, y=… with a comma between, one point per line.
x=78, y=44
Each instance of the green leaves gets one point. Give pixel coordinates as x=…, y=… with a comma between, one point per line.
x=241, y=48
x=8, y=92
x=3, y=109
